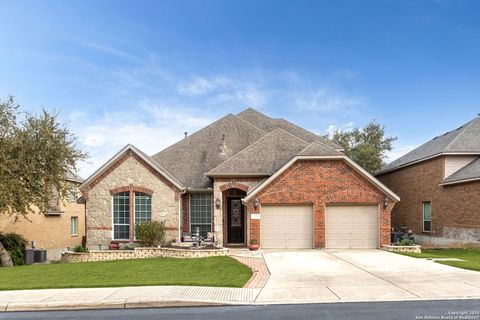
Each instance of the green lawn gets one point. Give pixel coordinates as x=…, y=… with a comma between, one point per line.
x=214, y=272
x=471, y=257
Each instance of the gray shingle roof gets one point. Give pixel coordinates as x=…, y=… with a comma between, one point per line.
x=269, y=124
x=213, y=148
x=470, y=171
x=318, y=149
x=465, y=139
x=189, y=159
x=263, y=157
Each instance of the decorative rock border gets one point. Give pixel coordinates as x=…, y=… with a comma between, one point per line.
x=408, y=249
x=141, y=253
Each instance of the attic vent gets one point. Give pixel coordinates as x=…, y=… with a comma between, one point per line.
x=223, y=148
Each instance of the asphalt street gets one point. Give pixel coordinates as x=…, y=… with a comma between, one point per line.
x=448, y=309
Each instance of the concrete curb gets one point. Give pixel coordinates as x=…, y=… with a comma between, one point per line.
x=111, y=304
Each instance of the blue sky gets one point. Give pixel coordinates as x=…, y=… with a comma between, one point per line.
x=143, y=72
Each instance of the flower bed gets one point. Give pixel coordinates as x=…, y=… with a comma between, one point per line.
x=409, y=249
x=141, y=253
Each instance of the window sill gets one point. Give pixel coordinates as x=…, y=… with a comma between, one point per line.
x=74, y=235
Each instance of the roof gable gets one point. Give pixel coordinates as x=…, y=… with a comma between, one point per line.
x=104, y=170
x=465, y=139
x=468, y=173
x=254, y=191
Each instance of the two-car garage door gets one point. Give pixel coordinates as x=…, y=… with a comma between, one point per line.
x=291, y=227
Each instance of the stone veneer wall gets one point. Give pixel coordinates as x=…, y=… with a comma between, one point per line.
x=130, y=173
x=141, y=253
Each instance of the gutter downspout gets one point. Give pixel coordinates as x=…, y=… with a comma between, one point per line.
x=180, y=214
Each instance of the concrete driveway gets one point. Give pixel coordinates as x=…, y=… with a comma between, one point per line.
x=366, y=275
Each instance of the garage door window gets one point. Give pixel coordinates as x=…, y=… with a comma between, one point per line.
x=427, y=216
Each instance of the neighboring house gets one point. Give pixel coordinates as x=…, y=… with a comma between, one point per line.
x=244, y=177
x=439, y=183
x=59, y=228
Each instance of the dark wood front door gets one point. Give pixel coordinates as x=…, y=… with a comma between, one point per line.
x=235, y=221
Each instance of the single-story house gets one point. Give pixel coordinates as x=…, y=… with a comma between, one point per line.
x=244, y=177
x=61, y=227
x=439, y=183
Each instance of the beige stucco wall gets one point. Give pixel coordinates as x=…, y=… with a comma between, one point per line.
x=49, y=232
x=165, y=206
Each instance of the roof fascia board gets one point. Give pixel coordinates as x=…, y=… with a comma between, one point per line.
x=237, y=174
x=459, y=181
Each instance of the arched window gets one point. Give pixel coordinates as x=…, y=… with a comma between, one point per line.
x=123, y=217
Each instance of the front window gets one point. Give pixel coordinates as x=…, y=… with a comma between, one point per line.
x=143, y=207
x=427, y=216
x=201, y=213
x=121, y=216
x=74, y=226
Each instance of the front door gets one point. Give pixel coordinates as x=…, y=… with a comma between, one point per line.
x=236, y=221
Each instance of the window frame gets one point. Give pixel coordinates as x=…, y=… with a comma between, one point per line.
x=129, y=214
x=132, y=213
x=74, y=218
x=135, y=210
x=190, y=212
x=423, y=216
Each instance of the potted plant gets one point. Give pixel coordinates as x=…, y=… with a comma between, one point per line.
x=254, y=245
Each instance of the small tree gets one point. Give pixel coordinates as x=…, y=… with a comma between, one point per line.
x=367, y=146
x=15, y=245
x=150, y=233
x=37, y=153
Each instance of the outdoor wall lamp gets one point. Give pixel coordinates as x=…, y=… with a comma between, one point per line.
x=256, y=203
x=217, y=203
x=385, y=203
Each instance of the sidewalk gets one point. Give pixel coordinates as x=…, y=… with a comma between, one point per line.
x=124, y=297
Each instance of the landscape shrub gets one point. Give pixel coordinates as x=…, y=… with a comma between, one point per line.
x=406, y=242
x=150, y=233
x=80, y=249
x=128, y=246
x=14, y=244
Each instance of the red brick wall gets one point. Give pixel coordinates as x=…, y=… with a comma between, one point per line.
x=320, y=183
x=186, y=212
x=452, y=206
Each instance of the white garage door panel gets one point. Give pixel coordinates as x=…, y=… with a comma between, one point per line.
x=286, y=227
x=352, y=227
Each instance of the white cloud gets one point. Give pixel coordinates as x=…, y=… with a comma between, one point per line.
x=150, y=127
x=325, y=99
x=200, y=85
x=345, y=128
